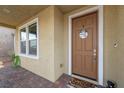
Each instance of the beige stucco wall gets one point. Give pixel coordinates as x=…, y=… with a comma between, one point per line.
x=44, y=66
x=113, y=31
x=58, y=42
x=50, y=45
x=120, y=48
x=110, y=36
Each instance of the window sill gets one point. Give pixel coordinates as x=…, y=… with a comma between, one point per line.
x=29, y=56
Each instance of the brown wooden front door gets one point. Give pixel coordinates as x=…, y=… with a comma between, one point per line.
x=84, y=51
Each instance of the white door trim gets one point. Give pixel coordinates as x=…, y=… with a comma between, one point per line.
x=100, y=40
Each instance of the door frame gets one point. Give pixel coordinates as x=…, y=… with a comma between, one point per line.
x=100, y=40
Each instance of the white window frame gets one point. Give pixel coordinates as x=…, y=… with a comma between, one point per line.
x=27, y=43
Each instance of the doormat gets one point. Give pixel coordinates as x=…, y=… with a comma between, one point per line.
x=77, y=83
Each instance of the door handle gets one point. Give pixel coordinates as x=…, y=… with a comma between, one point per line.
x=94, y=52
x=94, y=55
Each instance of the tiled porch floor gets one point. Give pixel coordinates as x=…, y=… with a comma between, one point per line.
x=21, y=78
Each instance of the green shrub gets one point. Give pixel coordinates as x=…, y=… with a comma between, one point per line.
x=16, y=62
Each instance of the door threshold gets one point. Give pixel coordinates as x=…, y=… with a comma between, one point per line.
x=86, y=79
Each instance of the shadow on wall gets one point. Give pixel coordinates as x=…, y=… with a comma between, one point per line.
x=6, y=43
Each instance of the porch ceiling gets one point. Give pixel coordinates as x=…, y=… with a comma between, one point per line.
x=13, y=15
x=69, y=8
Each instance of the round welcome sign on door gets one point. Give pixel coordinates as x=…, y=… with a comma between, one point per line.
x=83, y=33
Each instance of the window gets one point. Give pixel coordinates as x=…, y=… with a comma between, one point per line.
x=23, y=40
x=32, y=39
x=29, y=39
